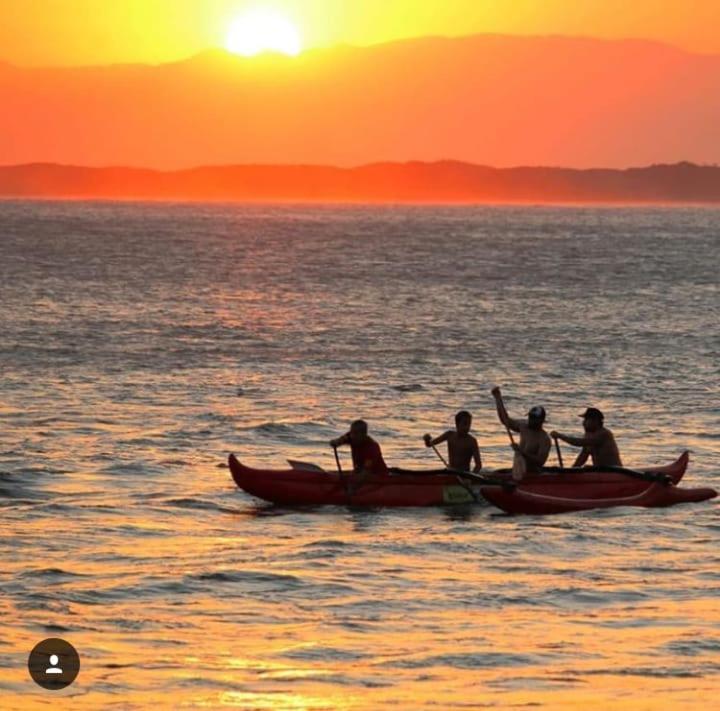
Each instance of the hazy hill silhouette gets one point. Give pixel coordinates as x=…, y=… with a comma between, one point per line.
x=495, y=100
x=446, y=181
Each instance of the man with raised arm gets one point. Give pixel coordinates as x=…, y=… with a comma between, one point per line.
x=366, y=454
x=532, y=451
x=462, y=446
x=598, y=442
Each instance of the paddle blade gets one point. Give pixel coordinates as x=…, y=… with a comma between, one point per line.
x=519, y=468
x=304, y=466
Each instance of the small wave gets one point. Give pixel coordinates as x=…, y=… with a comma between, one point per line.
x=56, y=506
x=260, y=509
x=84, y=431
x=318, y=560
x=408, y=388
x=284, y=581
x=16, y=495
x=43, y=602
x=57, y=629
x=321, y=654
x=53, y=573
x=269, y=428
x=186, y=439
x=148, y=587
x=593, y=598
x=129, y=625
x=216, y=417
x=15, y=501
x=477, y=660
x=287, y=429
x=694, y=647
x=140, y=531
x=652, y=672
x=42, y=421
x=330, y=543
x=42, y=470
x=224, y=687
x=133, y=468
x=315, y=675
x=190, y=503
x=138, y=442
x=115, y=665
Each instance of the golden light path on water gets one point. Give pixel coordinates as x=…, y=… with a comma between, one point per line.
x=143, y=343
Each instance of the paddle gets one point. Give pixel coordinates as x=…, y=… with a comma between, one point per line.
x=447, y=466
x=483, y=479
x=519, y=467
x=337, y=461
x=442, y=459
x=344, y=480
x=305, y=466
x=559, y=453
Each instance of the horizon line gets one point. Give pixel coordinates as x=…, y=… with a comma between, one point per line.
x=359, y=166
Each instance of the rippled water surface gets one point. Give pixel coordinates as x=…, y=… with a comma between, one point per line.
x=142, y=343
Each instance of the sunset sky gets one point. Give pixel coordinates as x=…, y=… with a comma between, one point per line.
x=71, y=32
x=571, y=83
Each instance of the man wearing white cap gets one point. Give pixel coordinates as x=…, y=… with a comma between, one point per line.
x=532, y=451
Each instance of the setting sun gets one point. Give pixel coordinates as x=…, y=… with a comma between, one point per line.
x=263, y=30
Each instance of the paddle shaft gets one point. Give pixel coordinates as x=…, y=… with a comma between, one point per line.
x=559, y=453
x=510, y=434
x=442, y=459
x=337, y=461
x=483, y=479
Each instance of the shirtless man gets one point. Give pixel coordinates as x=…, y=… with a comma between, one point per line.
x=534, y=447
x=366, y=454
x=598, y=442
x=462, y=446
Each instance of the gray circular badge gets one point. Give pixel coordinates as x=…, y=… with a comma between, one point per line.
x=54, y=664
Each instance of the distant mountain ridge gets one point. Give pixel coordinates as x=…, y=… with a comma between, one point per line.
x=487, y=99
x=415, y=182
x=219, y=54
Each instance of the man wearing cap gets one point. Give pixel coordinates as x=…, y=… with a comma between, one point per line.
x=534, y=447
x=598, y=442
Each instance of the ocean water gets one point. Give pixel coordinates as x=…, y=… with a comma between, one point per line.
x=140, y=343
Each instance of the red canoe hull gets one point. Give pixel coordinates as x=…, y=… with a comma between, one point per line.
x=292, y=487
x=549, y=493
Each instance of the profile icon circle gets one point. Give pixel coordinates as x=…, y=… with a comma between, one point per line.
x=54, y=664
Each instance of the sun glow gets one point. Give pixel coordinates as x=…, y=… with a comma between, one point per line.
x=263, y=30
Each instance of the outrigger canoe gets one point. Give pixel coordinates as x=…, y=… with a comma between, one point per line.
x=554, y=491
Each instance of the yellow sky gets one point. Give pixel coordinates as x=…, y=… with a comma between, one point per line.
x=48, y=32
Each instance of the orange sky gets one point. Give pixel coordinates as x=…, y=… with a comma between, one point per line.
x=51, y=32
x=495, y=97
